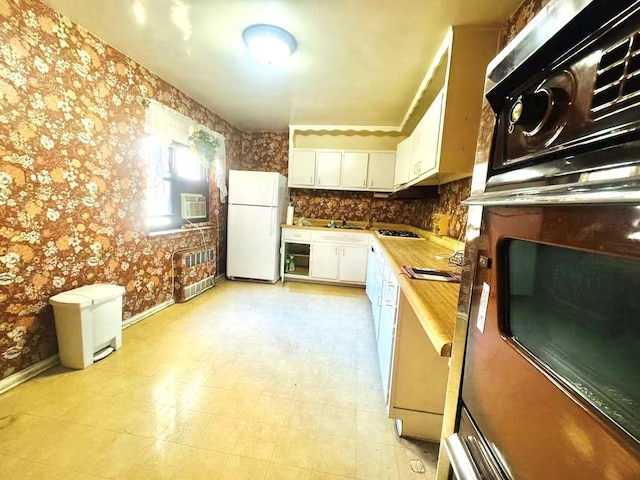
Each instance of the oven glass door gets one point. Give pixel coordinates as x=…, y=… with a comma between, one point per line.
x=578, y=313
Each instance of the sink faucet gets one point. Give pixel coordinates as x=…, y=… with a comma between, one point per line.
x=344, y=222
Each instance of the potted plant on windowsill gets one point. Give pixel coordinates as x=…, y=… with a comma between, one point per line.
x=205, y=145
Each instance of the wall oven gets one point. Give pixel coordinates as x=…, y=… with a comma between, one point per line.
x=551, y=382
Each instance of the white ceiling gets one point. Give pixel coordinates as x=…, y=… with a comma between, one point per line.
x=359, y=62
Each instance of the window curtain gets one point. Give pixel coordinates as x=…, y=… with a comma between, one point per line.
x=167, y=126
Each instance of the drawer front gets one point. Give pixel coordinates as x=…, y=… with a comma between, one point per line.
x=296, y=235
x=342, y=237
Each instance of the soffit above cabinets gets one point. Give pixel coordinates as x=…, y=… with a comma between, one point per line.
x=359, y=62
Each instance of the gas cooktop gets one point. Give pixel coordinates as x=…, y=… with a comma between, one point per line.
x=398, y=233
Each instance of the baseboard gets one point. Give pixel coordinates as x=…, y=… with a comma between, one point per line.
x=28, y=373
x=142, y=315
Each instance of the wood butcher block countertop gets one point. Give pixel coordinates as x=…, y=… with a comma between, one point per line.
x=434, y=302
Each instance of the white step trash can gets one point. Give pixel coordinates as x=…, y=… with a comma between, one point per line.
x=88, y=323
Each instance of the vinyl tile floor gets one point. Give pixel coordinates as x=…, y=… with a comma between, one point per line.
x=246, y=381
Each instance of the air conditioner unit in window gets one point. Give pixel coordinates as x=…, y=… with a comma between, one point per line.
x=192, y=205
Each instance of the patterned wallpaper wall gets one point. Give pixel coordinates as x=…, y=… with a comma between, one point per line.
x=72, y=183
x=523, y=15
x=265, y=151
x=353, y=206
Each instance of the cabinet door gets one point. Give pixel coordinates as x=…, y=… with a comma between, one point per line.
x=329, y=169
x=302, y=168
x=353, y=263
x=386, y=341
x=354, y=169
x=370, y=286
x=426, y=141
x=403, y=162
x=324, y=260
x=381, y=170
x=429, y=162
x=376, y=301
x=387, y=330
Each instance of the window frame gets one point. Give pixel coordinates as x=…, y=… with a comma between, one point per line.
x=176, y=186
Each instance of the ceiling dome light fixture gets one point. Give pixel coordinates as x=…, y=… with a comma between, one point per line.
x=269, y=44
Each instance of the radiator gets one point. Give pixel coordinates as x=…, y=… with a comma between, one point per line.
x=194, y=272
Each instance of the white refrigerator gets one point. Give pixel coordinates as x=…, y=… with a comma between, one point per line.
x=257, y=208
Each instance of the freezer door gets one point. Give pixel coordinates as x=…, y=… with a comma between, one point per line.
x=253, y=243
x=254, y=188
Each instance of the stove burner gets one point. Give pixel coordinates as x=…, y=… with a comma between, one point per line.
x=397, y=233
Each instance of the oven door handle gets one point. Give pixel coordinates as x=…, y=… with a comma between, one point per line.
x=460, y=458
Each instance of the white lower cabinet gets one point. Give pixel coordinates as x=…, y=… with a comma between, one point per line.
x=414, y=375
x=387, y=330
x=353, y=264
x=337, y=257
x=418, y=379
x=370, y=282
x=324, y=261
x=374, y=283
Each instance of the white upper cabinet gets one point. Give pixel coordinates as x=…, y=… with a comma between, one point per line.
x=302, y=168
x=342, y=170
x=381, y=170
x=329, y=168
x=443, y=143
x=403, y=162
x=426, y=142
x=354, y=169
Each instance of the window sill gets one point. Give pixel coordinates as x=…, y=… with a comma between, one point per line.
x=160, y=233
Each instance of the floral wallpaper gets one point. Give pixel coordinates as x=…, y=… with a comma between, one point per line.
x=265, y=151
x=72, y=183
x=353, y=206
x=523, y=15
x=449, y=202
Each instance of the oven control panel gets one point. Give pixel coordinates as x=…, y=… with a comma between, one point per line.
x=582, y=102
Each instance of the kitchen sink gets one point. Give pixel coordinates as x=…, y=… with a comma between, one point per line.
x=345, y=227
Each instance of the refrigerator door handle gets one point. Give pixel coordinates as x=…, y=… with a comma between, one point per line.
x=274, y=192
x=273, y=221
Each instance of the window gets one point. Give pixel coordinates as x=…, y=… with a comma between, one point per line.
x=172, y=172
